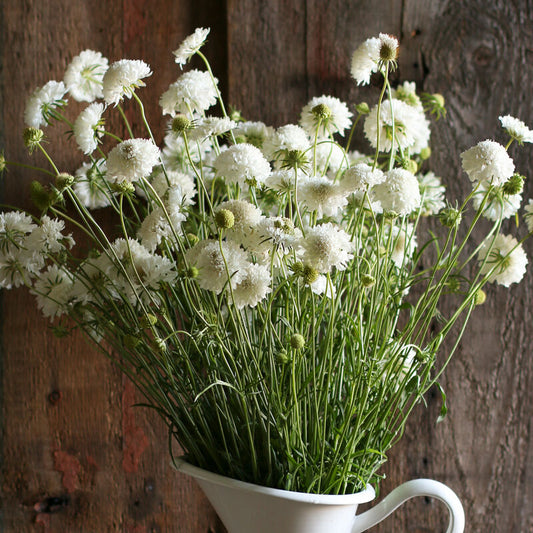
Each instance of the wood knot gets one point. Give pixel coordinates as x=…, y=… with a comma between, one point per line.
x=483, y=56
x=53, y=504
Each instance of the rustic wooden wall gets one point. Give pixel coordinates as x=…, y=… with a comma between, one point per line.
x=68, y=427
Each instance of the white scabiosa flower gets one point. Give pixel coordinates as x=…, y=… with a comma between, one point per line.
x=273, y=234
x=14, y=227
x=504, y=258
x=399, y=125
x=327, y=113
x=122, y=78
x=498, y=205
x=158, y=226
x=323, y=286
x=253, y=132
x=516, y=129
x=407, y=93
x=88, y=128
x=488, y=161
x=53, y=291
x=399, y=193
x=42, y=103
x=253, y=287
x=210, y=127
x=283, y=180
x=360, y=177
x=286, y=138
x=194, y=91
x=326, y=246
x=18, y=267
x=182, y=186
x=91, y=186
x=215, y=261
x=330, y=157
x=190, y=46
x=132, y=160
x=528, y=215
x=48, y=238
x=320, y=194
x=84, y=76
x=365, y=60
x=432, y=193
x=243, y=164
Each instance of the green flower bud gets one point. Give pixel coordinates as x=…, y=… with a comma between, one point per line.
x=434, y=103
x=32, y=137
x=425, y=153
x=193, y=239
x=131, y=341
x=410, y=165
x=39, y=196
x=362, y=108
x=450, y=217
x=236, y=116
x=480, y=297
x=282, y=357
x=147, y=321
x=439, y=99
x=239, y=139
x=297, y=268
x=454, y=284
x=367, y=280
x=224, y=219
x=181, y=123
x=514, y=185
x=192, y=272
x=321, y=112
x=297, y=341
x=2, y=162
x=123, y=187
x=309, y=274
x=160, y=344
x=64, y=180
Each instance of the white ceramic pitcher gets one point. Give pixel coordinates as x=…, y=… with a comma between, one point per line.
x=247, y=508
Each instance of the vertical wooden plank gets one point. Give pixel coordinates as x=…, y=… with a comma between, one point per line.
x=69, y=429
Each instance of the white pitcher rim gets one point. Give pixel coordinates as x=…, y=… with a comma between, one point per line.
x=366, y=495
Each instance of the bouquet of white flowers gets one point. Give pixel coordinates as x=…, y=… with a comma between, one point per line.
x=273, y=293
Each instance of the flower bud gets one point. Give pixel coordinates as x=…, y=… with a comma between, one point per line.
x=64, y=180
x=450, y=217
x=367, y=280
x=131, y=341
x=514, y=185
x=123, y=187
x=193, y=239
x=282, y=357
x=239, y=139
x=181, y=123
x=147, y=321
x=425, y=153
x=39, y=196
x=362, y=108
x=410, y=165
x=160, y=344
x=2, y=162
x=309, y=274
x=297, y=268
x=224, y=219
x=192, y=272
x=480, y=297
x=32, y=137
x=297, y=341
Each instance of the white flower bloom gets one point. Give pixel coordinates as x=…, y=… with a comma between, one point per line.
x=506, y=257
x=432, y=193
x=210, y=127
x=88, y=128
x=193, y=92
x=320, y=194
x=330, y=157
x=403, y=242
x=53, y=291
x=273, y=234
x=175, y=156
x=190, y=46
x=336, y=122
x=488, y=161
x=14, y=228
x=91, y=186
x=407, y=93
x=253, y=132
x=17, y=267
x=283, y=180
x=42, y=103
x=323, y=286
x=243, y=164
x=516, y=129
x=122, y=78
x=528, y=215
x=326, y=246
x=84, y=76
x=365, y=60
x=498, y=205
x=360, y=177
x=48, y=237
x=182, y=185
x=213, y=267
x=253, y=286
x=156, y=227
x=410, y=127
x=285, y=138
x=399, y=193
x=132, y=160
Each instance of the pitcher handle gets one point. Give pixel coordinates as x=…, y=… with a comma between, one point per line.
x=406, y=491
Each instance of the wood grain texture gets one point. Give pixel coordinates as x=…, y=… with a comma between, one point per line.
x=68, y=426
